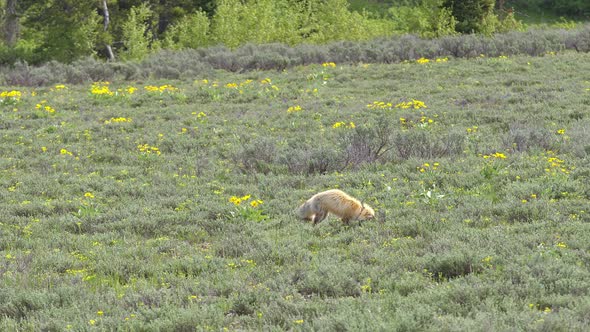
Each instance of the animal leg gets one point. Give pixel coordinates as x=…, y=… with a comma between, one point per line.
x=319, y=217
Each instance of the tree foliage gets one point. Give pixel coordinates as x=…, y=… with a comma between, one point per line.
x=66, y=30
x=135, y=30
x=62, y=30
x=471, y=15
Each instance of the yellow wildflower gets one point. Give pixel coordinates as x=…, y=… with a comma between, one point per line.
x=236, y=200
x=293, y=109
x=255, y=203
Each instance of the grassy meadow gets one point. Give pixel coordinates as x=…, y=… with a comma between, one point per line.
x=169, y=204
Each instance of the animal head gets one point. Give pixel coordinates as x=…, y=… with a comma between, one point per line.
x=367, y=213
x=303, y=211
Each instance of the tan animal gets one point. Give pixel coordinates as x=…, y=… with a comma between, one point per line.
x=336, y=202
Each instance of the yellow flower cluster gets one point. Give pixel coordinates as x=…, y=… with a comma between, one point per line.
x=497, y=155
x=424, y=119
x=147, y=149
x=294, y=109
x=129, y=90
x=101, y=89
x=380, y=105
x=238, y=200
x=556, y=164
x=426, y=166
x=161, y=89
x=65, y=152
x=47, y=108
x=350, y=125
x=415, y=104
x=425, y=60
x=12, y=94
x=233, y=85
x=267, y=81
x=329, y=64
x=60, y=87
x=472, y=130
x=117, y=120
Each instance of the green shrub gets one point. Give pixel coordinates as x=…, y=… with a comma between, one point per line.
x=333, y=21
x=135, y=29
x=473, y=15
x=62, y=31
x=429, y=19
x=192, y=31
x=368, y=144
x=236, y=23
x=200, y=62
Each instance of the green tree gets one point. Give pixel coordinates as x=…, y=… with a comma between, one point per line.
x=472, y=15
x=191, y=31
x=135, y=28
x=429, y=19
x=11, y=26
x=62, y=30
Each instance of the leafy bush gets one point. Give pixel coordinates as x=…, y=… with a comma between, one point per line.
x=575, y=8
x=255, y=157
x=192, y=31
x=423, y=144
x=473, y=15
x=368, y=144
x=137, y=44
x=429, y=19
x=313, y=160
x=65, y=39
x=524, y=136
x=236, y=23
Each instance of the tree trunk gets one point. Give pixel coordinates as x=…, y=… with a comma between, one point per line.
x=105, y=9
x=11, y=23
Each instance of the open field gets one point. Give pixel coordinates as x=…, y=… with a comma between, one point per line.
x=168, y=205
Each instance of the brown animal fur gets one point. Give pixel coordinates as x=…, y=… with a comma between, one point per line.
x=336, y=202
